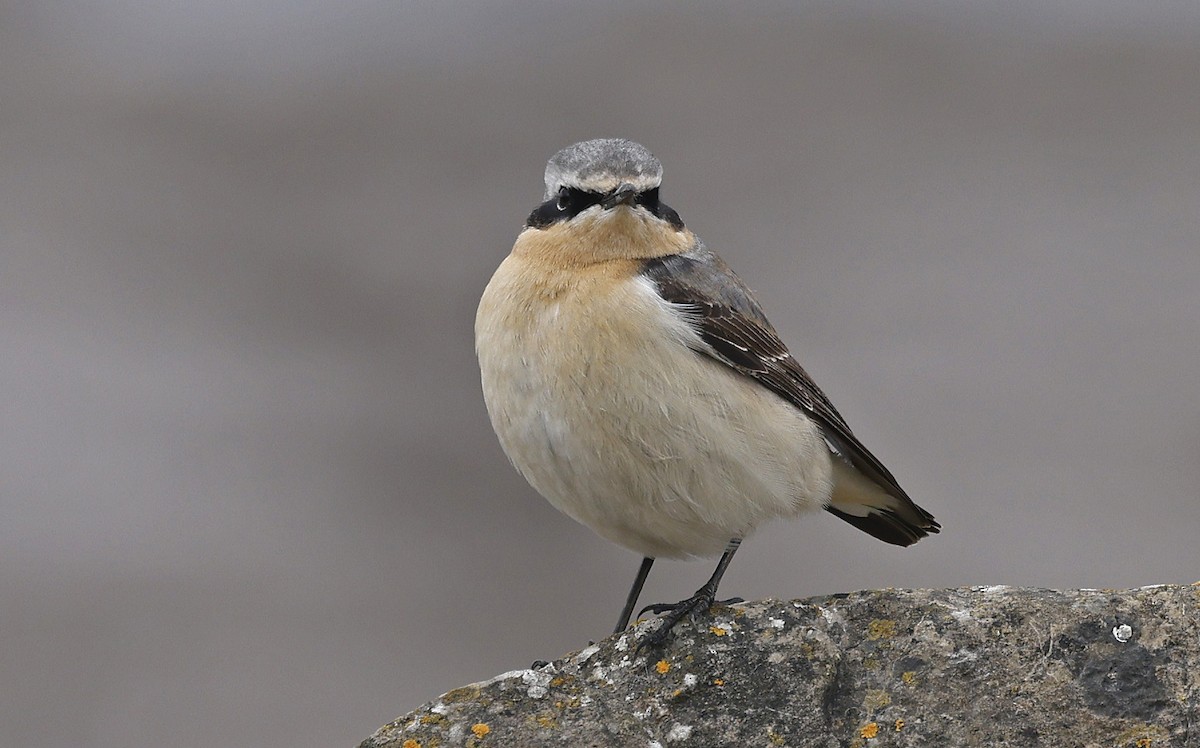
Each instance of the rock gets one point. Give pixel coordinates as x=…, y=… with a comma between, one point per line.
x=986, y=666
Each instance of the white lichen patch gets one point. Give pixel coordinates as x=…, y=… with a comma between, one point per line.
x=994, y=589
x=586, y=654
x=511, y=674
x=776, y=623
x=723, y=628
x=690, y=680
x=926, y=631
x=679, y=732
x=832, y=617
x=538, y=681
x=439, y=708
x=622, y=643
x=963, y=656
x=1123, y=632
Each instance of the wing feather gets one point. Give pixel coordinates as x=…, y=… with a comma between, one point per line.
x=737, y=333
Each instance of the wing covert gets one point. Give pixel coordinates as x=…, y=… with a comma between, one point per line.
x=737, y=333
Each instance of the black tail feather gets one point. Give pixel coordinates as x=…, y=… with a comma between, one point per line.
x=889, y=526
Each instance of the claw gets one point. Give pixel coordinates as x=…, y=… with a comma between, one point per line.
x=657, y=608
x=676, y=613
x=703, y=599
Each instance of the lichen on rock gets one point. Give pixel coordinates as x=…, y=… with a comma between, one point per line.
x=984, y=666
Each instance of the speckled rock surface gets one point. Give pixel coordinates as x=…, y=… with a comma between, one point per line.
x=988, y=666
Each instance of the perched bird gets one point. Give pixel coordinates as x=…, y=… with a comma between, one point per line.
x=634, y=381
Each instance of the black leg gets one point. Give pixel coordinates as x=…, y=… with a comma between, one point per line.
x=643, y=572
x=702, y=600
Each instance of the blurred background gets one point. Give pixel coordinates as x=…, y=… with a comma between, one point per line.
x=249, y=494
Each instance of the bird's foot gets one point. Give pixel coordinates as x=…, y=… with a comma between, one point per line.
x=701, y=601
x=657, y=608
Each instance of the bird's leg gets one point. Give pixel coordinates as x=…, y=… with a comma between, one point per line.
x=643, y=572
x=702, y=600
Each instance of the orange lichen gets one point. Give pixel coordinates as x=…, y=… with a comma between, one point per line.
x=662, y=667
x=480, y=729
x=1144, y=743
x=461, y=694
x=410, y=743
x=899, y=725
x=717, y=631
x=881, y=628
x=718, y=681
x=869, y=730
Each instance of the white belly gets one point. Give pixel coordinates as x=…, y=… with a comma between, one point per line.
x=602, y=406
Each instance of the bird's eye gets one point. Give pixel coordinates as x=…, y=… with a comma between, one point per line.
x=564, y=198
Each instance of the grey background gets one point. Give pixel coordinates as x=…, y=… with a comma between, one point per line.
x=248, y=491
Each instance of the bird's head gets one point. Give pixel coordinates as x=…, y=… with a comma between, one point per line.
x=599, y=182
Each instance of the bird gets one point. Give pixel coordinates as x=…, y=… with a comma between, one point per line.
x=634, y=381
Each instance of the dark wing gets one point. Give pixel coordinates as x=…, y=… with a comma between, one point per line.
x=737, y=333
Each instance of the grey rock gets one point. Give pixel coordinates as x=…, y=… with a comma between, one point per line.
x=985, y=666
